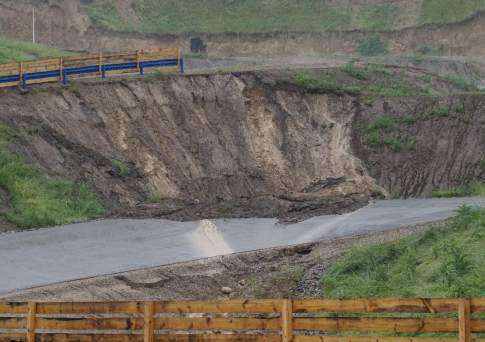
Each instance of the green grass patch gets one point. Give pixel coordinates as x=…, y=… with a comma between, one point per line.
x=463, y=84
x=445, y=261
x=383, y=132
x=359, y=73
x=396, y=88
x=37, y=200
x=157, y=197
x=213, y=16
x=322, y=83
x=121, y=168
x=105, y=15
x=14, y=51
x=372, y=45
x=448, y=11
x=472, y=189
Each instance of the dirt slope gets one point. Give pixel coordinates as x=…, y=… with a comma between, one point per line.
x=431, y=143
x=197, y=146
x=250, y=144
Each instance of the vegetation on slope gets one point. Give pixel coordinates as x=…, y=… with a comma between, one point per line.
x=473, y=189
x=448, y=11
x=37, y=200
x=15, y=50
x=176, y=16
x=445, y=261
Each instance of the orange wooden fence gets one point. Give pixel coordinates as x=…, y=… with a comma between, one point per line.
x=379, y=320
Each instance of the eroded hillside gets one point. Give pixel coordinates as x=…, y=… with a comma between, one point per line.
x=288, y=144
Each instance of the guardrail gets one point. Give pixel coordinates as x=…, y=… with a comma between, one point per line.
x=379, y=320
x=98, y=65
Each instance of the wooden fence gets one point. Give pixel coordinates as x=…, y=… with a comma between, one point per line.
x=247, y=320
x=95, y=65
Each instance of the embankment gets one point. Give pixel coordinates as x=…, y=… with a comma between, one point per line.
x=246, y=144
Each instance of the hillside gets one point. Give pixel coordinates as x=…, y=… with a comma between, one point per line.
x=290, y=143
x=181, y=16
x=250, y=27
x=15, y=51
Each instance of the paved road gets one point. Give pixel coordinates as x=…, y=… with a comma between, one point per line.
x=70, y=252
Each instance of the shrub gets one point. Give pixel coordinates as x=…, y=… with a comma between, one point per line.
x=121, y=167
x=372, y=45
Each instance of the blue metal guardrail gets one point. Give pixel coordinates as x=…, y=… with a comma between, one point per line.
x=66, y=72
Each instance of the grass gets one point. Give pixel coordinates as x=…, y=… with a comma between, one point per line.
x=182, y=16
x=372, y=45
x=157, y=197
x=380, y=132
x=14, y=51
x=399, y=88
x=121, y=168
x=463, y=84
x=37, y=200
x=371, y=80
x=448, y=11
x=320, y=83
x=445, y=261
x=472, y=189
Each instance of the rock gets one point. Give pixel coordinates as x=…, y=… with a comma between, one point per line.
x=242, y=283
x=226, y=290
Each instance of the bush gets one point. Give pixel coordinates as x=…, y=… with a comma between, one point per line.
x=121, y=168
x=372, y=45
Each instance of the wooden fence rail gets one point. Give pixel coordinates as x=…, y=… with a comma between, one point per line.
x=95, y=65
x=376, y=320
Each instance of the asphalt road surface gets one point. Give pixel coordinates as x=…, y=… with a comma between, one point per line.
x=58, y=254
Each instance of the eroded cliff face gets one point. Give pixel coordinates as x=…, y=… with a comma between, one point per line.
x=243, y=145
x=196, y=146
x=413, y=146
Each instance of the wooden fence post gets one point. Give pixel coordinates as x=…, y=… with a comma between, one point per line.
x=287, y=320
x=148, y=327
x=100, y=64
x=464, y=322
x=21, y=72
x=138, y=60
x=31, y=321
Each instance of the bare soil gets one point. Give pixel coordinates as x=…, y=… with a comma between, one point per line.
x=232, y=145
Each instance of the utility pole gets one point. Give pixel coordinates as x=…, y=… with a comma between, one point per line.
x=33, y=25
